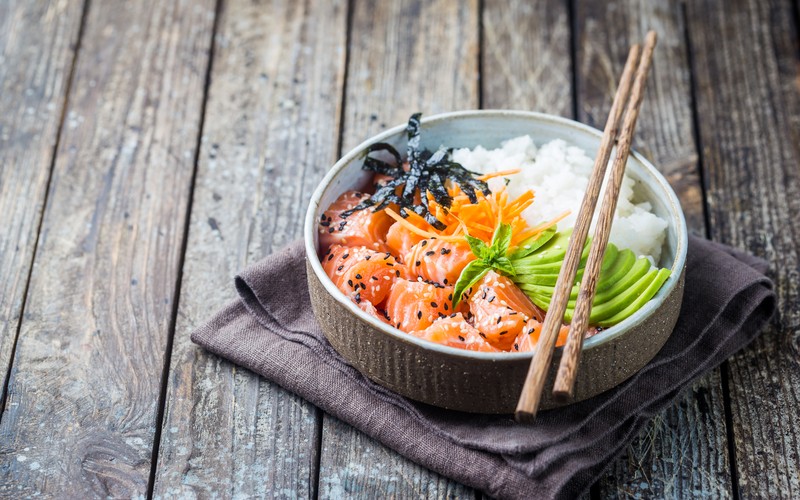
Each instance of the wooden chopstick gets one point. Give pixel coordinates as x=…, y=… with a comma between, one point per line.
x=564, y=387
x=531, y=394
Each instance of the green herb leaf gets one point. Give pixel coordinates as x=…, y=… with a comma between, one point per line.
x=478, y=247
x=471, y=274
x=501, y=240
x=504, y=264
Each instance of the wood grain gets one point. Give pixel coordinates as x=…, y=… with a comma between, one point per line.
x=270, y=132
x=748, y=102
x=525, y=56
x=685, y=447
x=83, y=391
x=408, y=56
x=37, y=48
x=404, y=57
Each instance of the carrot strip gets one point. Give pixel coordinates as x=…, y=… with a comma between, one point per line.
x=414, y=229
x=486, y=177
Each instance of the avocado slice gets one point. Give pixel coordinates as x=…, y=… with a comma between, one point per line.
x=624, y=286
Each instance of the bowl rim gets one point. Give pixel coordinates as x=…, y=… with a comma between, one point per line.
x=617, y=331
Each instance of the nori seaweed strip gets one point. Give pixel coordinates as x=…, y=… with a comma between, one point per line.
x=385, y=146
x=428, y=172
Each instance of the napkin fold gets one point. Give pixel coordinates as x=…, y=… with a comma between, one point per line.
x=272, y=331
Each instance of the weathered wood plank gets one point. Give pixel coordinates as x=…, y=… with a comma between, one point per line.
x=408, y=56
x=748, y=99
x=84, y=386
x=526, y=62
x=404, y=57
x=270, y=132
x=684, y=448
x=37, y=42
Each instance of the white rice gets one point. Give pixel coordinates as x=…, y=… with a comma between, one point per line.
x=558, y=174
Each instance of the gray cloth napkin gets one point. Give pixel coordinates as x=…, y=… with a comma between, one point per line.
x=272, y=331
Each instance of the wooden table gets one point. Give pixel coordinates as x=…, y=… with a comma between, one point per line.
x=150, y=149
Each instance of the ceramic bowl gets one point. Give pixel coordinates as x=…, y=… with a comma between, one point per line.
x=478, y=381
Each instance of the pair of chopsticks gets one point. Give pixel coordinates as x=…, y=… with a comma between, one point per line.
x=632, y=84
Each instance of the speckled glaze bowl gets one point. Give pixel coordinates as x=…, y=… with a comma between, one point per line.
x=478, y=381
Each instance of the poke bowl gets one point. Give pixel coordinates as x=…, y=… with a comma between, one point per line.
x=486, y=380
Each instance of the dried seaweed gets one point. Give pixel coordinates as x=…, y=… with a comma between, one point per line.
x=428, y=172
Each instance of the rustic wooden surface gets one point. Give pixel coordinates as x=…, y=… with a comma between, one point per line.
x=37, y=43
x=81, y=411
x=748, y=77
x=174, y=166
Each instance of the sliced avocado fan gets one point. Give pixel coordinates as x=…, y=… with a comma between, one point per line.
x=624, y=286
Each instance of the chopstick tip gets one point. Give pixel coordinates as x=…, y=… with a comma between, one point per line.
x=524, y=417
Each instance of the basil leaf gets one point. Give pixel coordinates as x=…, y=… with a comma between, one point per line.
x=471, y=274
x=501, y=240
x=478, y=247
x=504, y=264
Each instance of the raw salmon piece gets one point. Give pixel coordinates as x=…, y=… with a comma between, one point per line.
x=400, y=240
x=370, y=309
x=438, y=261
x=500, y=310
x=415, y=305
x=362, y=228
x=529, y=336
x=454, y=331
x=362, y=273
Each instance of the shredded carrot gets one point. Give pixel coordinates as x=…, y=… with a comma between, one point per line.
x=414, y=229
x=486, y=177
x=479, y=219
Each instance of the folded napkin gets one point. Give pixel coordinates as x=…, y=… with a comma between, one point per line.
x=272, y=331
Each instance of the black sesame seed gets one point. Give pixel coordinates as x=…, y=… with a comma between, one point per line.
x=363, y=286
x=482, y=334
x=390, y=264
x=503, y=332
x=445, y=251
x=454, y=315
x=374, y=278
x=450, y=297
x=516, y=347
x=330, y=256
x=499, y=319
x=462, y=339
x=358, y=276
x=442, y=315
x=340, y=268
x=368, y=257
x=445, y=307
x=350, y=283
x=423, y=243
x=434, y=304
x=397, y=273
x=445, y=281
x=330, y=229
x=429, y=253
x=346, y=255
x=324, y=223
x=322, y=217
x=419, y=314
x=417, y=263
x=492, y=298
